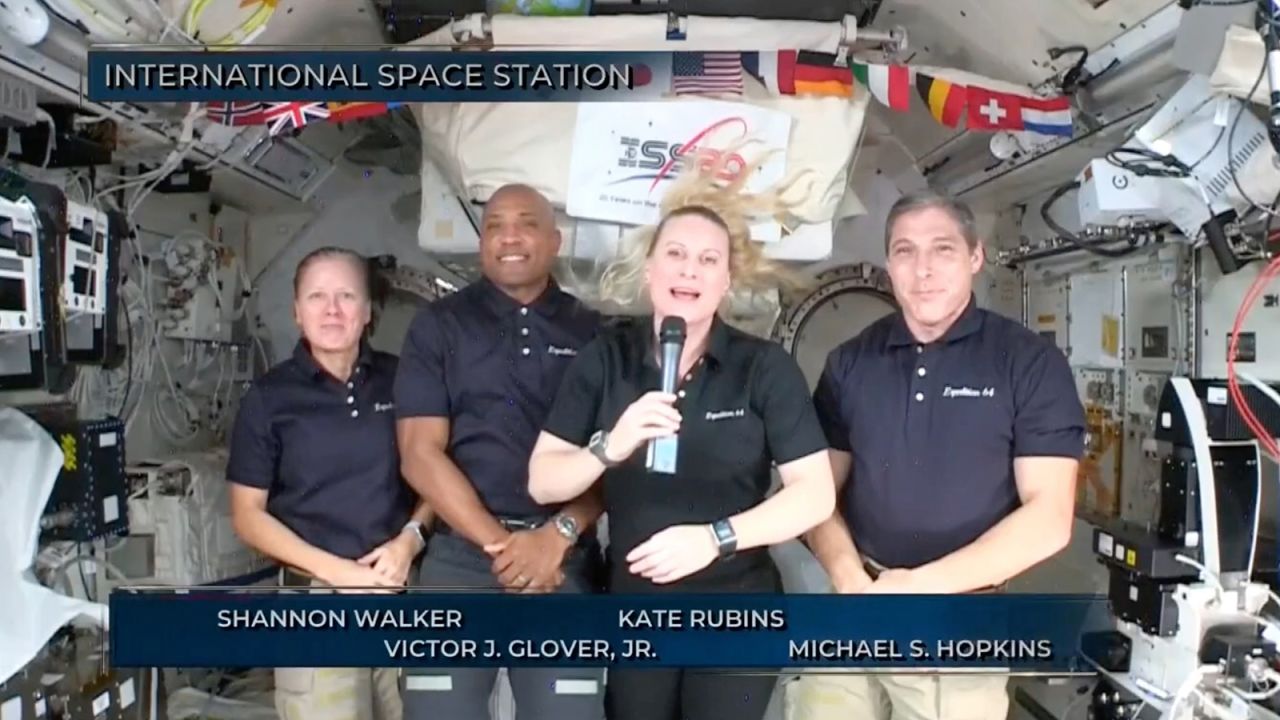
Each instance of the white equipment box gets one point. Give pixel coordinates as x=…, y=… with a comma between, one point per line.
x=182, y=504
x=19, y=269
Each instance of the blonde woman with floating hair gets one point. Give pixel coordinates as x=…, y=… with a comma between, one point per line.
x=740, y=407
x=701, y=190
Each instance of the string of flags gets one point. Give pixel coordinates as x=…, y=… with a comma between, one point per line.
x=782, y=72
x=977, y=107
x=282, y=116
x=791, y=72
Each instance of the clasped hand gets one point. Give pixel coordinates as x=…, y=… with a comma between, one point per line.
x=530, y=561
x=892, y=581
x=386, y=566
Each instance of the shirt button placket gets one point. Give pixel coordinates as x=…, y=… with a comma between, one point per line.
x=524, y=332
x=917, y=414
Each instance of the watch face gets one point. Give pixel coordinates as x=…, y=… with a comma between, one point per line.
x=567, y=524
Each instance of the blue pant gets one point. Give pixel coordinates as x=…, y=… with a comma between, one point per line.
x=463, y=693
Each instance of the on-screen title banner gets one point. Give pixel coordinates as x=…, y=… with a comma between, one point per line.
x=1018, y=633
x=408, y=75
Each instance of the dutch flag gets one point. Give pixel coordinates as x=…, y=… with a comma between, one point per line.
x=1046, y=116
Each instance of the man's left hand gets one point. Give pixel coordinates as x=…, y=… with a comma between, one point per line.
x=674, y=553
x=530, y=560
x=898, y=581
x=393, y=557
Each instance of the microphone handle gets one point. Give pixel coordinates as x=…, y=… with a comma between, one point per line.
x=670, y=366
x=660, y=456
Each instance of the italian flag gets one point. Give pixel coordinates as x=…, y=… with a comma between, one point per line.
x=890, y=84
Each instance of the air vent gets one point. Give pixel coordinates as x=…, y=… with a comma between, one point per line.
x=296, y=167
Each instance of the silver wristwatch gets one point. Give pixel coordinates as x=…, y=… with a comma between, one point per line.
x=419, y=531
x=566, y=526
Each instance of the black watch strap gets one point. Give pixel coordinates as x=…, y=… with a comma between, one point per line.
x=599, y=442
x=726, y=539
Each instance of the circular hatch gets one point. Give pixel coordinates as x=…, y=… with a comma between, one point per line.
x=845, y=301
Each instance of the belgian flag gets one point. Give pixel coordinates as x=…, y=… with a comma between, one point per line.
x=945, y=100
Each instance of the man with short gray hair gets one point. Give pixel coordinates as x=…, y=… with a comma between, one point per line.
x=955, y=436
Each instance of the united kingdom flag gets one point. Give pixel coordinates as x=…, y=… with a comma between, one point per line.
x=235, y=113
x=282, y=116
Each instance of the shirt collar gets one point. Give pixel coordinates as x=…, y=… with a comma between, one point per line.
x=302, y=355
x=547, y=303
x=717, y=340
x=969, y=322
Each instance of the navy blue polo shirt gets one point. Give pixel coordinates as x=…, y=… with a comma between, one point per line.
x=492, y=366
x=934, y=428
x=744, y=407
x=325, y=452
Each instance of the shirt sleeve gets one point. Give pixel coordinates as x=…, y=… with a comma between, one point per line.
x=421, y=387
x=827, y=402
x=254, y=452
x=1049, y=419
x=781, y=393
x=574, y=414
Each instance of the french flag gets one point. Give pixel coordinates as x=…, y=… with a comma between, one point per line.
x=1046, y=116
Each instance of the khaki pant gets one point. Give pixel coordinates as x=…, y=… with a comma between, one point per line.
x=897, y=697
x=884, y=696
x=336, y=693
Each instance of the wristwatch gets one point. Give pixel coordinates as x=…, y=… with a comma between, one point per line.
x=418, y=529
x=726, y=539
x=600, y=441
x=566, y=526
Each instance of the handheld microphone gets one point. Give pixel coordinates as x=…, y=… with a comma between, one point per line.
x=661, y=455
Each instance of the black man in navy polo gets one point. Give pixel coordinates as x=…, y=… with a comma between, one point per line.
x=477, y=376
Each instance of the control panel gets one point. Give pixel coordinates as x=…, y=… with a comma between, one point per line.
x=19, y=269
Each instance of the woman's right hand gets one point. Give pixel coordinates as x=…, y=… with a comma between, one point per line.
x=653, y=415
x=343, y=573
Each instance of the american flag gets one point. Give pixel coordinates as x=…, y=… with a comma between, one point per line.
x=296, y=114
x=235, y=113
x=709, y=73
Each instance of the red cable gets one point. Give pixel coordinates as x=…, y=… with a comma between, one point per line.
x=1233, y=385
x=1250, y=419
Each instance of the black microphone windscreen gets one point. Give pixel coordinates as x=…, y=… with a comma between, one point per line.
x=672, y=330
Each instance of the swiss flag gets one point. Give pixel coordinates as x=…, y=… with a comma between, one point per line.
x=990, y=110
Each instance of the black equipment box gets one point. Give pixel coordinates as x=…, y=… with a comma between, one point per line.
x=1135, y=549
x=90, y=499
x=1144, y=602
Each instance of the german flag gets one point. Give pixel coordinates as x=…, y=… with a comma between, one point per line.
x=946, y=101
x=817, y=73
